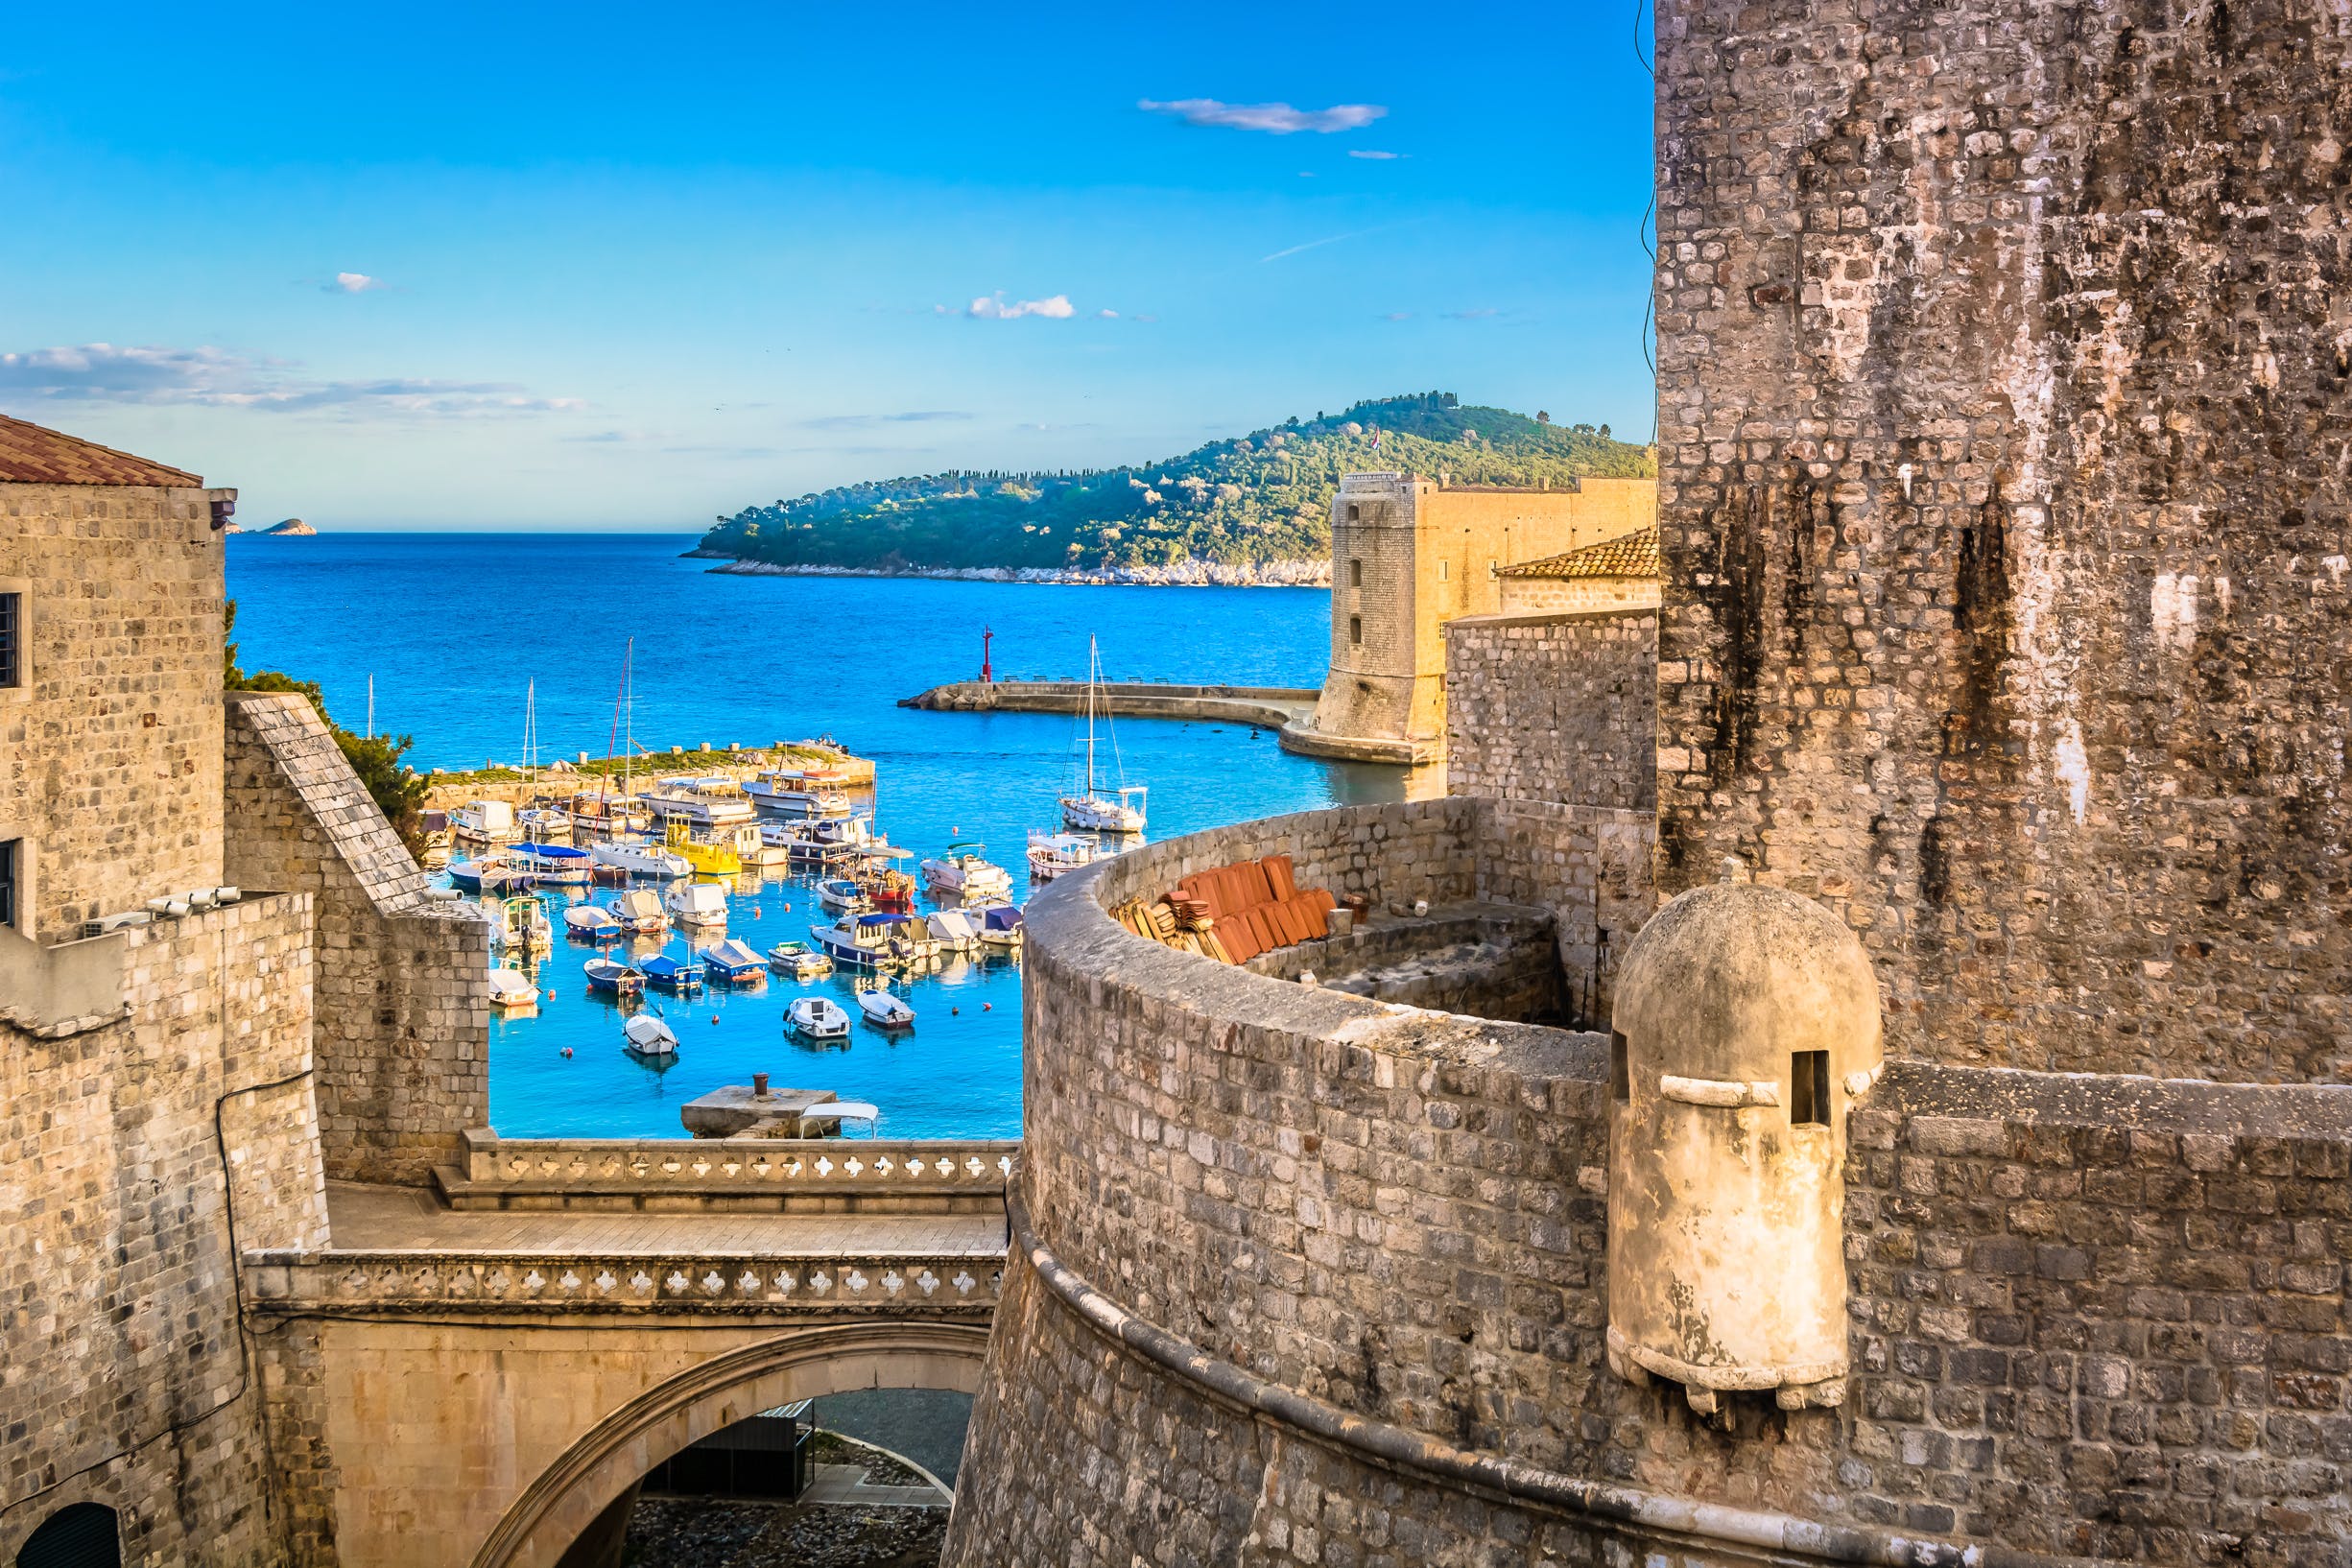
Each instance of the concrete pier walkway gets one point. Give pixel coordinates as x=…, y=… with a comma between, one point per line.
x=1289, y=711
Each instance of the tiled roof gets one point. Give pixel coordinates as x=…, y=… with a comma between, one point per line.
x=1628, y=555
x=31, y=455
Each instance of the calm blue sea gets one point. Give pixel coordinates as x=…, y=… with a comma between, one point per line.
x=454, y=627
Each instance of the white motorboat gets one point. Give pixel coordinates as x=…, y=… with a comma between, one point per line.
x=838, y=896
x=550, y=865
x=639, y=857
x=638, y=910
x=485, y=821
x=883, y=1011
x=955, y=930
x=648, y=1035
x=817, y=1017
x=695, y=904
x=1000, y=928
x=523, y=927
x=800, y=961
x=1094, y=809
x=863, y=941
x=963, y=870
x=545, y=824
x=513, y=989
x=702, y=804
x=799, y=792
x=1055, y=854
x=591, y=921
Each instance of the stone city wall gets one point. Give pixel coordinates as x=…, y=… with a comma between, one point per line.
x=110, y=749
x=2092, y=1316
x=1553, y=707
x=130, y=1156
x=403, y=988
x=2002, y=386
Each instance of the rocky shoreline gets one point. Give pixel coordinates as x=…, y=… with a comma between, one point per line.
x=1188, y=573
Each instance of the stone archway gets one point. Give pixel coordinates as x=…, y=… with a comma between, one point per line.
x=611, y=1456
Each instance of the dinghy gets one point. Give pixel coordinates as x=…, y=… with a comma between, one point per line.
x=647, y=1036
x=883, y=1011
x=732, y=962
x=613, y=977
x=592, y=923
x=817, y=1017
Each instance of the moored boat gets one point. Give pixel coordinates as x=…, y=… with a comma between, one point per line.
x=638, y=910
x=955, y=930
x=964, y=871
x=648, y=1035
x=861, y=941
x=666, y=973
x=1055, y=854
x=732, y=962
x=799, y=792
x=883, y=1011
x=512, y=988
x=695, y=904
x=545, y=824
x=613, y=976
x=817, y=1017
x=841, y=895
x=640, y=857
x=1094, y=809
x=550, y=865
x=1000, y=928
x=800, y=961
x=524, y=927
x=592, y=923
x=484, y=823
x=710, y=853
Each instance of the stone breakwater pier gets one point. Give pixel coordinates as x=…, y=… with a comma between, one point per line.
x=1286, y=711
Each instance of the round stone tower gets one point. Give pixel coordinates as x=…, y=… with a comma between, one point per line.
x=1747, y=1018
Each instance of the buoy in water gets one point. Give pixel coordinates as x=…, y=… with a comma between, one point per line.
x=955, y=1013
x=755, y=911
x=714, y=1017
x=567, y=1053
x=988, y=1006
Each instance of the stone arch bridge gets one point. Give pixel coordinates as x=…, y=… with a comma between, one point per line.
x=481, y=1374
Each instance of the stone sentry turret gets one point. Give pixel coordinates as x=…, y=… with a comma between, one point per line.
x=1746, y=1021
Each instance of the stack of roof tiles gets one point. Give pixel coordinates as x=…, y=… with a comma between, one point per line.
x=1628, y=555
x=31, y=454
x=1234, y=913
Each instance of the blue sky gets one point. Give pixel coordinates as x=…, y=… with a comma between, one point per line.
x=596, y=266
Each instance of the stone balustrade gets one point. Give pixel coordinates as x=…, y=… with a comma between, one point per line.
x=700, y=1281
x=810, y=1175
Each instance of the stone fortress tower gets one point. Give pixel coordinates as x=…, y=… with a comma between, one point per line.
x=2001, y=651
x=1410, y=554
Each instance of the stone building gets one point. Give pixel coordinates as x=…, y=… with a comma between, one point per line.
x=1620, y=572
x=1410, y=554
x=193, y=956
x=2002, y=397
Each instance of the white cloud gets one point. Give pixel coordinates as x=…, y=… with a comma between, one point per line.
x=1368, y=153
x=995, y=307
x=354, y=283
x=1106, y=314
x=1280, y=119
x=869, y=421
x=208, y=377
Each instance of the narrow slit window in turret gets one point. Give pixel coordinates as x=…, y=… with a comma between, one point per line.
x=1809, y=1099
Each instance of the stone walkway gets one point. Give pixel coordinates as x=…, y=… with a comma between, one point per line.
x=363, y=1218
x=845, y=1485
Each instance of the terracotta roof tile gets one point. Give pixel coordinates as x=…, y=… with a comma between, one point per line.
x=33, y=455
x=1628, y=555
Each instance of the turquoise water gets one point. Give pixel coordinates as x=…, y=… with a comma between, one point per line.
x=452, y=627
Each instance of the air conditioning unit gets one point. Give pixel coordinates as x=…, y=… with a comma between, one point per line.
x=115, y=922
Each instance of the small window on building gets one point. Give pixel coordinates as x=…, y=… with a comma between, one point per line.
x=1355, y=630
x=11, y=639
x=1621, y=1070
x=1809, y=1088
x=1490, y=566
x=11, y=875
x=1352, y=512
x=1441, y=571
x=1355, y=574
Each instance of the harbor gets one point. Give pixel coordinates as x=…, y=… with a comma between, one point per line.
x=930, y=782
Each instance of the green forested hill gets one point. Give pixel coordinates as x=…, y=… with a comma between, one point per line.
x=1257, y=498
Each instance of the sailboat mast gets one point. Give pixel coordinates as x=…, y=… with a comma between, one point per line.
x=628, y=694
x=1094, y=664
x=612, y=739
x=530, y=731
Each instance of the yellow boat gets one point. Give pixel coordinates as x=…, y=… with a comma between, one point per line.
x=708, y=857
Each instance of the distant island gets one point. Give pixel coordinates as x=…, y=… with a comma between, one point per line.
x=1253, y=508
x=293, y=528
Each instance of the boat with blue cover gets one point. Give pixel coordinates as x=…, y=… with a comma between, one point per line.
x=863, y=942
x=732, y=962
x=671, y=974
x=551, y=864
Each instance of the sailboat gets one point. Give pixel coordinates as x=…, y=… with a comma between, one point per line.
x=1095, y=809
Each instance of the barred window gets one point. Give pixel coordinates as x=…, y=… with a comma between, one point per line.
x=11, y=639
x=12, y=871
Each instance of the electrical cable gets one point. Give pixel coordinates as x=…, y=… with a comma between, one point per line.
x=245, y=1378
